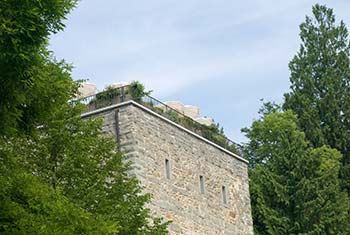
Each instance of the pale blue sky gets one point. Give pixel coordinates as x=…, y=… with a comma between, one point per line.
x=220, y=55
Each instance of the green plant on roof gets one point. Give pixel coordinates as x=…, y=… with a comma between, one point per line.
x=107, y=97
x=108, y=93
x=137, y=90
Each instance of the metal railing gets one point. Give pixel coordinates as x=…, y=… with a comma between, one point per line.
x=105, y=98
x=121, y=94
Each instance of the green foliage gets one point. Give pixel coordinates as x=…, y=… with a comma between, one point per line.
x=105, y=98
x=269, y=107
x=112, y=95
x=24, y=65
x=58, y=174
x=213, y=133
x=108, y=93
x=137, y=90
x=30, y=206
x=262, y=139
x=320, y=84
x=294, y=189
x=72, y=155
x=296, y=160
x=83, y=169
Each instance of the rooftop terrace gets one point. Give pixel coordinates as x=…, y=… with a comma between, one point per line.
x=112, y=96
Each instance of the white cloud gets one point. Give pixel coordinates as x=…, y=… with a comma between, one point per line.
x=171, y=45
x=158, y=47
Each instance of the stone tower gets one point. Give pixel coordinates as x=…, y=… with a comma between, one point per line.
x=200, y=186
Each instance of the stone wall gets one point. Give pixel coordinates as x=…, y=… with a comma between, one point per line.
x=149, y=141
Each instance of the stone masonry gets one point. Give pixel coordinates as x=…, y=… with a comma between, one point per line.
x=201, y=187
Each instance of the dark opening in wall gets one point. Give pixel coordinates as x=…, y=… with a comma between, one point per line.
x=167, y=168
x=201, y=184
x=224, y=195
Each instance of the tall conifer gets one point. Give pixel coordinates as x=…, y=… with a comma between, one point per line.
x=320, y=84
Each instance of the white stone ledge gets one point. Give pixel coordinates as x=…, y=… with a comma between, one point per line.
x=131, y=102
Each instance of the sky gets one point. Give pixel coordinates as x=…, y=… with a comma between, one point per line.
x=223, y=56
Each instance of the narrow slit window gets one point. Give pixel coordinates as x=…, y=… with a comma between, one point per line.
x=224, y=196
x=201, y=184
x=167, y=168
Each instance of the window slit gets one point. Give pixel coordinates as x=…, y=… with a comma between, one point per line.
x=224, y=196
x=201, y=184
x=167, y=168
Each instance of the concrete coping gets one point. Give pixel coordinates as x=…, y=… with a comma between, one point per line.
x=131, y=102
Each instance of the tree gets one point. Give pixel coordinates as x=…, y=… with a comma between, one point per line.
x=73, y=155
x=58, y=174
x=28, y=205
x=294, y=189
x=30, y=79
x=320, y=85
